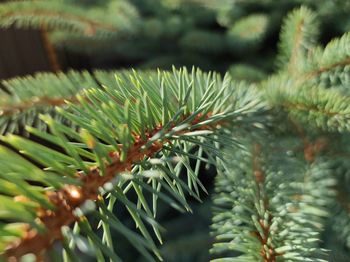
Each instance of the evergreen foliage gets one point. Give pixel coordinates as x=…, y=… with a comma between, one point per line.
x=142, y=125
x=269, y=209
x=162, y=33
x=113, y=18
x=247, y=32
x=102, y=143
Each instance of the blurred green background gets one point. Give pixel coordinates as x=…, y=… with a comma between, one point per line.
x=236, y=35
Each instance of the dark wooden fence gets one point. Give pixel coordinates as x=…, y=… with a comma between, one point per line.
x=22, y=52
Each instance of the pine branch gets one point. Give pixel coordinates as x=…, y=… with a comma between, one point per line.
x=334, y=55
x=324, y=109
x=70, y=197
x=59, y=15
x=267, y=252
x=8, y=110
x=266, y=207
x=27, y=97
x=298, y=35
x=164, y=115
x=328, y=68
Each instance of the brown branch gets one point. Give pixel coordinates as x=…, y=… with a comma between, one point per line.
x=71, y=196
x=8, y=110
x=271, y=254
x=311, y=149
x=328, y=68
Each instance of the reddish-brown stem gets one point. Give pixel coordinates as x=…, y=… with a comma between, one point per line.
x=311, y=149
x=70, y=197
x=270, y=255
x=43, y=101
x=38, y=101
x=328, y=68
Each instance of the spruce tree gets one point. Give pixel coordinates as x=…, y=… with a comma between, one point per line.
x=80, y=147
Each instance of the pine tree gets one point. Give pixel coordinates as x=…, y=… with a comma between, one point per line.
x=77, y=146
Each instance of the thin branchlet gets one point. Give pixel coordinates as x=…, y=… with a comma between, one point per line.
x=328, y=68
x=270, y=254
x=8, y=110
